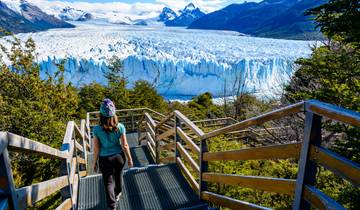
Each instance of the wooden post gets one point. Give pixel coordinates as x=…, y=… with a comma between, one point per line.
x=203, y=166
x=83, y=134
x=307, y=168
x=157, y=152
x=6, y=177
x=176, y=137
x=132, y=122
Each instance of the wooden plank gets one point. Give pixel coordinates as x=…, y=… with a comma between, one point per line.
x=187, y=157
x=3, y=141
x=333, y=112
x=81, y=160
x=274, y=115
x=283, y=151
x=307, y=169
x=75, y=192
x=150, y=120
x=68, y=137
x=188, y=141
x=151, y=150
x=66, y=205
x=165, y=119
x=83, y=173
x=229, y=202
x=277, y=185
x=78, y=146
x=169, y=146
x=169, y=159
x=320, y=200
x=72, y=170
x=150, y=130
x=188, y=175
x=189, y=123
x=166, y=134
x=150, y=139
x=6, y=178
x=341, y=166
x=22, y=144
x=28, y=196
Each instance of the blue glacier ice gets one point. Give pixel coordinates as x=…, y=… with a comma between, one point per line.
x=178, y=62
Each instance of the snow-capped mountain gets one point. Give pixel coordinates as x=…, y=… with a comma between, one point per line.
x=186, y=16
x=167, y=14
x=21, y=16
x=72, y=14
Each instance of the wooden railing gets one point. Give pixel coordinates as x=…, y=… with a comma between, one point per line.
x=192, y=152
x=73, y=154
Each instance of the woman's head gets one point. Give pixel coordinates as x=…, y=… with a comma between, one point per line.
x=108, y=118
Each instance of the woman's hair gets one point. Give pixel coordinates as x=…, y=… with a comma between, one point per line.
x=111, y=123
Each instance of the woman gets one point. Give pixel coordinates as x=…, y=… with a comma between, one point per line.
x=111, y=147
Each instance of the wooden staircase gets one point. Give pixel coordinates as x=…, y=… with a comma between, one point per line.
x=172, y=158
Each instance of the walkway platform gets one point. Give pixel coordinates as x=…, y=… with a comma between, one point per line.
x=146, y=186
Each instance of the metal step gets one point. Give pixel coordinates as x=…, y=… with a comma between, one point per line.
x=153, y=187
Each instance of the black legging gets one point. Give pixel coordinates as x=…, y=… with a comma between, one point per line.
x=111, y=169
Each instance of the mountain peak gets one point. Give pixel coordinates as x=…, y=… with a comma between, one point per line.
x=189, y=7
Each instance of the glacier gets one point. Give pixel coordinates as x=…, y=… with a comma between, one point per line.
x=178, y=62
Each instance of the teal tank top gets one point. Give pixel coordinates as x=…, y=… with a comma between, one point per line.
x=109, y=141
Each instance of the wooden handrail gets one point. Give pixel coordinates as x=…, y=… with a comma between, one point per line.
x=189, y=123
x=27, y=196
x=283, y=151
x=333, y=112
x=158, y=130
x=286, y=111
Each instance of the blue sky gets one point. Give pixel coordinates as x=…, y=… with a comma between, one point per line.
x=220, y=2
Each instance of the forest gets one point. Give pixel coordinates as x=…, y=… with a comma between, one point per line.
x=39, y=108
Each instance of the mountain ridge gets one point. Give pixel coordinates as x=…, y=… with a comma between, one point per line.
x=268, y=18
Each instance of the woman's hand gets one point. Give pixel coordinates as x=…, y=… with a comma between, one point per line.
x=130, y=163
x=95, y=167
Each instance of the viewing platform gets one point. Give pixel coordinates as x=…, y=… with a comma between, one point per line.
x=171, y=162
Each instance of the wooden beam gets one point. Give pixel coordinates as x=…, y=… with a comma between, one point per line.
x=169, y=146
x=151, y=150
x=340, y=166
x=320, y=200
x=22, y=144
x=188, y=175
x=78, y=146
x=169, y=159
x=65, y=147
x=229, y=202
x=150, y=139
x=333, y=112
x=168, y=117
x=189, y=123
x=150, y=120
x=277, y=185
x=6, y=178
x=150, y=129
x=81, y=160
x=3, y=141
x=166, y=134
x=28, y=196
x=307, y=169
x=188, y=158
x=82, y=173
x=65, y=205
x=188, y=141
x=274, y=115
x=268, y=152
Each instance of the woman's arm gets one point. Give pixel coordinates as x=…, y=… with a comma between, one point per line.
x=126, y=149
x=96, y=152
